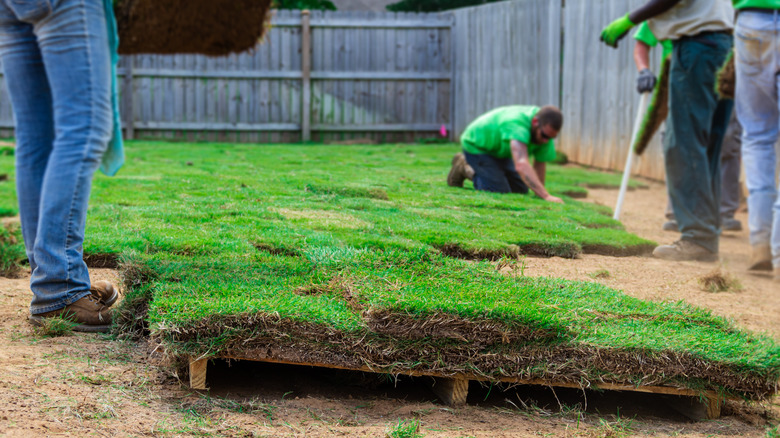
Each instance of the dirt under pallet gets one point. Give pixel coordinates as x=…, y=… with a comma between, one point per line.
x=452, y=390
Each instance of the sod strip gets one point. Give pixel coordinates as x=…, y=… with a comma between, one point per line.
x=205, y=199
x=332, y=305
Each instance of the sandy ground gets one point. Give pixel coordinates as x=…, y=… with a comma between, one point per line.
x=89, y=385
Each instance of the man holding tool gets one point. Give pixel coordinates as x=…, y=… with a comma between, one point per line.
x=700, y=31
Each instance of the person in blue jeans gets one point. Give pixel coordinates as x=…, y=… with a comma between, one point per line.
x=700, y=31
x=757, y=60
x=57, y=63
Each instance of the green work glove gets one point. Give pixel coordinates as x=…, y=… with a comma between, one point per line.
x=616, y=30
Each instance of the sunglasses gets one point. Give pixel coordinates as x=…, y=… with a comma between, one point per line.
x=544, y=136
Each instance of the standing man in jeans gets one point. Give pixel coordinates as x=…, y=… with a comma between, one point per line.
x=700, y=31
x=757, y=60
x=730, y=158
x=57, y=63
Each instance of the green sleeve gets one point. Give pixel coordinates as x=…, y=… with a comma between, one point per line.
x=515, y=131
x=645, y=35
x=545, y=153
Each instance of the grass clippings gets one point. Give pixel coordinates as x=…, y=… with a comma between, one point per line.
x=55, y=327
x=404, y=429
x=601, y=274
x=718, y=281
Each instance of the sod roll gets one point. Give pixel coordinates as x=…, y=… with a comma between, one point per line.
x=208, y=27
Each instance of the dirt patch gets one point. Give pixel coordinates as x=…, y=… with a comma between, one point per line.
x=208, y=27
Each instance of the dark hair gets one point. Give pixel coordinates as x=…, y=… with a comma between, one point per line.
x=550, y=115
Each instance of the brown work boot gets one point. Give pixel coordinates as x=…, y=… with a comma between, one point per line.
x=683, y=250
x=90, y=314
x=105, y=292
x=761, y=258
x=460, y=171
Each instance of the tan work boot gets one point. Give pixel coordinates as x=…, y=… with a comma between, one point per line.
x=90, y=314
x=105, y=292
x=761, y=258
x=684, y=250
x=460, y=171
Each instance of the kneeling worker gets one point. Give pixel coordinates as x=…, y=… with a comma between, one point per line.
x=498, y=146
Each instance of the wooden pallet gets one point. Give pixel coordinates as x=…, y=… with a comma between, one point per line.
x=453, y=389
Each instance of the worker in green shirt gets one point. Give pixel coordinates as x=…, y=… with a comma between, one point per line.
x=730, y=159
x=498, y=147
x=757, y=49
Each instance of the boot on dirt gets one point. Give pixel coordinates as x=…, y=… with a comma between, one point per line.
x=731, y=224
x=761, y=258
x=460, y=171
x=90, y=313
x=671, y=225
x=684, y=250
x=104, y=291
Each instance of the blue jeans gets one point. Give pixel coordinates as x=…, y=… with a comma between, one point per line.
x=695, y=128
x=55, y=56
x=496, y=175
x=757, y=61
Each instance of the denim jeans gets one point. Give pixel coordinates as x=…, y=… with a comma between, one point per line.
x=757, y=61
x=55, y=56
x=496, y=175
x=695, y=128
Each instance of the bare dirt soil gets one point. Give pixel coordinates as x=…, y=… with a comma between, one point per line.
x=89, y=385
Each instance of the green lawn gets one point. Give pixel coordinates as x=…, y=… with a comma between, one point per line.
x=361, y=255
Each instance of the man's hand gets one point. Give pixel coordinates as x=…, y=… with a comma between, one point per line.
x=551, y=198
x=645, y=82
x=616, y=31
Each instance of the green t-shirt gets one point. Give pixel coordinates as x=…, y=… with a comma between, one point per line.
x=645, y=35
x=491, y=133
x=764, y=4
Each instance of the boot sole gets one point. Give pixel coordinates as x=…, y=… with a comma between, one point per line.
x=452, y=179
x=111, y=300
x=39, y=321
x=761, y=266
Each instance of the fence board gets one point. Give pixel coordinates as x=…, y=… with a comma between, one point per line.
x=495, y=60
x=599, y=97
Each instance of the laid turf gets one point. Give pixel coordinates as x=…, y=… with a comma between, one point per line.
x=354, y=256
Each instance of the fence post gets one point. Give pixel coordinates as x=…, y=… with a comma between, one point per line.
x=127, y=95
x=305, y=76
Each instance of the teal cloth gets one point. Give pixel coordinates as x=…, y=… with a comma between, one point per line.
x=114, y=157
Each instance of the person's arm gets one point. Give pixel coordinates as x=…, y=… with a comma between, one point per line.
x=645, y=82
x=527, y=172
x=651, y=9
x=641, y=56
x=541, y=171
x=616, y=30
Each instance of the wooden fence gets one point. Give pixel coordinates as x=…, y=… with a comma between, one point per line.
x=323, y=76
x=506, y=53
x=599, y=90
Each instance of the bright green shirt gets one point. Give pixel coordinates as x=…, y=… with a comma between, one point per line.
x=492, y=132
x=645, y=35
x=764, y=4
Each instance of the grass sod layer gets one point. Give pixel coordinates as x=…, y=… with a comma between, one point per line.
x=202, y=199
x=418, y=310
x=339, y=255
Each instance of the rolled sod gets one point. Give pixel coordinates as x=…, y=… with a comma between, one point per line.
x=208, y=27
